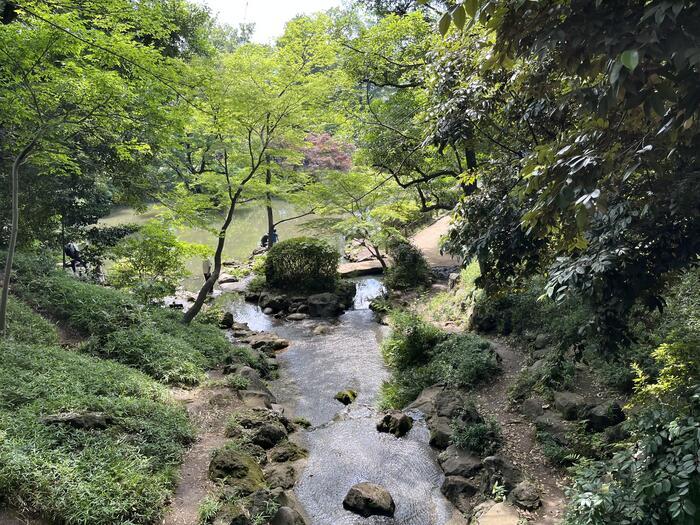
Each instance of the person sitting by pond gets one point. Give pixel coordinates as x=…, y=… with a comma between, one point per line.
x=73, y=253
x=206, y=269
x=265, y=239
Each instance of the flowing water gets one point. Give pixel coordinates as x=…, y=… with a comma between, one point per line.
x=344, y=445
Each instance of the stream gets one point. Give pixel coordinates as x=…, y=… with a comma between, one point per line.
x=344, y=445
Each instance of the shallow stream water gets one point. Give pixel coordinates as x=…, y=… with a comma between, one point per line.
x=344, y=445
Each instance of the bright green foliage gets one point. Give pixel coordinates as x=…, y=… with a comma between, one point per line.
x=121, y=474
x=409, y=268
x=151, y=262
x=26, y=326
x=652, y=481
x=302, y=263
x=410, y=342
x=421, y=355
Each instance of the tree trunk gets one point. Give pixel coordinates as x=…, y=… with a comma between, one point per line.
x=268, y=205
x=13, y=236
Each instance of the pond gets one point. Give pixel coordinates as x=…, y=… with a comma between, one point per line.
x=248, y=226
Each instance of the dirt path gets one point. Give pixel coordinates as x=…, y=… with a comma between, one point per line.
x=520, y=446
x=427, y=241
x=208, y=407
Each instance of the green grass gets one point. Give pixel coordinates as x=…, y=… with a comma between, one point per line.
x=24, y=325
x=121, y=474
x=150, y=339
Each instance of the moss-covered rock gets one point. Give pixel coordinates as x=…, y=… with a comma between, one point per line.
x=238, y=468
x=346, y=396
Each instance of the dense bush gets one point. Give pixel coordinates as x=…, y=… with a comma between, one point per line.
x=409, y=268
x=422, y=355
x=480, y=438
x=121, y=474
x=303, y=264
x=410, y=342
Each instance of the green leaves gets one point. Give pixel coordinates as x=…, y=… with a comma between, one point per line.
x=630, y=59
x=444, y=24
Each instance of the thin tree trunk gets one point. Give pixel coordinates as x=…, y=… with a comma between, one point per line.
x=268, y=205
x=63, y=242
x=13, y=236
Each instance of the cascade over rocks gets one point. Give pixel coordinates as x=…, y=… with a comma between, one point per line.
x=369, y=499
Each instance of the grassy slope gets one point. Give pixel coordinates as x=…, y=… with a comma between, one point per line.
x=121, y=474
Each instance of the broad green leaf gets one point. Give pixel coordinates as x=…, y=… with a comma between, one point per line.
x=630, y=59
x=444, y=24
x=459, y=16
x=471, y=6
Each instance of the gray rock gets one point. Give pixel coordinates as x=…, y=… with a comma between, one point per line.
x=297, y=317
x=274, y=301
x=457, y=462
x=226, y=321
x=287, y=451
x=616, y=433
x=525, y=495
x=84, y=420
x=541, y=341
x=369, y=499
x=458, y=490
x=236, y=468
x=268, y=311
x=287, y=516
x=280, y=475
x=268, y=434
x=324, y=305
x=256, y=399
x=571, y=406
x=532, y=408
x=425, y=402
x=449, y=403
x=497, y=469
x=555, y=426
x=605, y=415
x=396, y=423
x=440, y=432
x=322, y=329
x=452, y=281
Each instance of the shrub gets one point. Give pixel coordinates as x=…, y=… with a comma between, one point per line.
x=151, y=262
x=409, y=268
x=482, y=439
x=463, y=361
x=162, y=356
x=411, y=340
x=121, y=474
x=24, y=325
x=303, y=264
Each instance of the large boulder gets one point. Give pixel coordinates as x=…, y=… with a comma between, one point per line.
x=457, y=462
x=369, y=499
x=532, y=408
x=267, y=343
x=236, y=468
x=571, y=406
x=395, y=422
x=541, y=341
x=287, y=516
x=458, y=490
x=605, y=415
x=280, y=475
x=555, y=426
x=276, y=302
x=324, y=305
x=268, y=434
x=525, y=495
x=497, y=470
x=425, y=402
x=226, y=321
x=440, y=432
x=287, y=451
